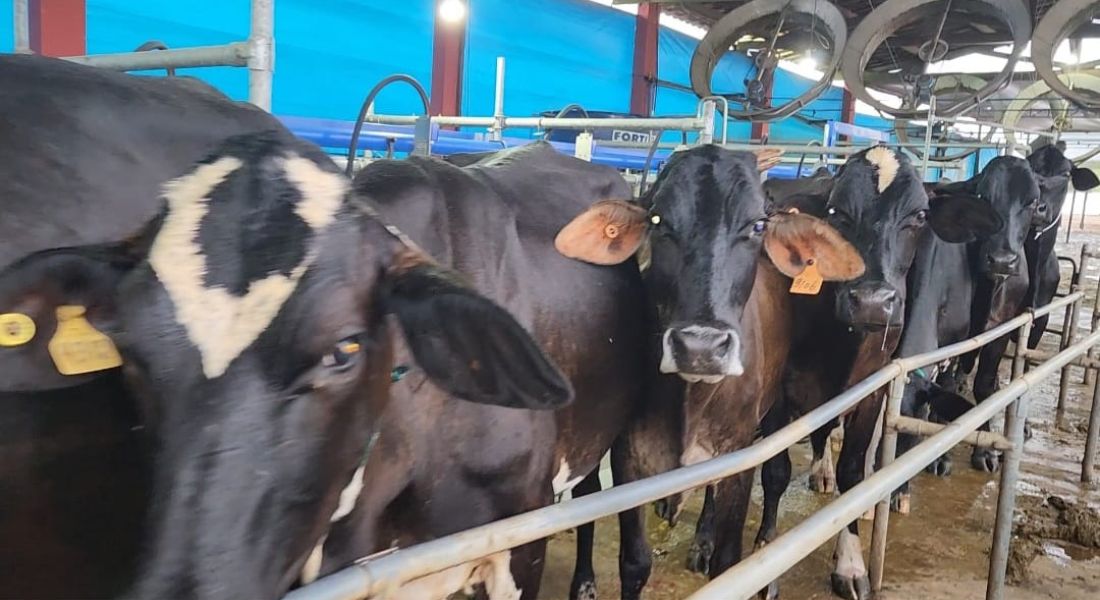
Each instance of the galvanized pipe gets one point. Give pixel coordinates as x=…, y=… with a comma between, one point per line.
x=372, y=576
x=928, y=135
x=1015, y=418
x=982, y=439
x=1019, y=363
x=22, y=20
x=889, y=453
x=261, y=53
x=742, y=581
x=641, y=124
x=233, y=55
x=1069, y=333
x=1091, y=438
x=497, y=129
x=1036, y=357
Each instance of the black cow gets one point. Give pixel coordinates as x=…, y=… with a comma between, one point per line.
x=1054, y=172
x=83, y=153
x=723, y=313
x=852, y=329
x=442, y=466
x=254, y=313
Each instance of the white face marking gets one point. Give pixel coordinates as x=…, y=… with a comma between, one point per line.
x=562, y=483
x=494, y=571
x=219, y=324
x=348, y=497
x=886, y=162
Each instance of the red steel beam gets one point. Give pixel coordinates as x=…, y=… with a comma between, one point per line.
x=448, y=51
x=57, y=27
x=646, y=34
x=848, y=109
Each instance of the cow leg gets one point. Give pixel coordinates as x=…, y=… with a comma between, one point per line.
x=731, y=506
x=985, y=385
x=584, y=576
x=669, y=508
x=861, y=435
x=635, y=558
x=775, y=476
x=702, y=547
x=822, y=473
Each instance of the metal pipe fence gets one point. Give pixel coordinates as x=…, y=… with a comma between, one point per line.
x=257, y=53
x=379, y=575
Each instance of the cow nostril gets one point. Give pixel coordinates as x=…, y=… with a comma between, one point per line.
x=725, y=344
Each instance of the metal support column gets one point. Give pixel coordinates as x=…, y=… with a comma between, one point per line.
x=882, y=509
x=1015, y=417
x=646, y=35
x=261, y=53
x=1069, y=335
x=21, y=18
x=56, y=27
x=928, y=135
x=448, y=52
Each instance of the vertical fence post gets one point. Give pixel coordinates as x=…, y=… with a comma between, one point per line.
x=889, y=452
x=1091, y=439
x=22, y=29
x=261, y=53
x=1069, y=333
x=1015, y=417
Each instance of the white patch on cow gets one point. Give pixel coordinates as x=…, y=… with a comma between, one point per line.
x=695, y=453
x=219, y=324
x=493, y=571
x=312, y=567
x=668, y=364
x=348, y=497
x=322, y=191
x=849, y=556
x=822, y=472
x=886, y=162
x=876, y=436
x=562, y=483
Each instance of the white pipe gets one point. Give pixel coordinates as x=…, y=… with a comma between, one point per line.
x=234, y=54
x=22, y=20
x=261, y=55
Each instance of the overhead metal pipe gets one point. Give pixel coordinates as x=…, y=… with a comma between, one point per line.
x=232, y=55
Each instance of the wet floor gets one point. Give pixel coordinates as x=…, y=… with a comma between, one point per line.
x=940, y=551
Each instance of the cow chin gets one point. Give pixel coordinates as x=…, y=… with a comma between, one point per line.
x=700, y=359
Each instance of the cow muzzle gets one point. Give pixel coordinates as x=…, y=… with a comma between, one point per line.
x=1002, y=263
x=872, y=305
x=699, y=353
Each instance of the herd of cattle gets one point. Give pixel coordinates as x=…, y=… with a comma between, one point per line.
x=228, y=370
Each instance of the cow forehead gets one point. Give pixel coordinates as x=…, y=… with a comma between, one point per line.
x=221, y=324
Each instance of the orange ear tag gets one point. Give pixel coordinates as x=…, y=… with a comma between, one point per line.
x=808, y=281
x=77, y=347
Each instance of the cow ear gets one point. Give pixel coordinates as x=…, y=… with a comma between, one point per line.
x=793, y=240
x=1084, y=179
x=466, y=344
x=960, y=218
x=74, y=286
x=608, y=233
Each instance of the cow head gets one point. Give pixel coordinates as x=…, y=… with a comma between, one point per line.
x=704, y=224
x=254, y=313
x=879, y=204
x=1054, y=173
x=1008, y=185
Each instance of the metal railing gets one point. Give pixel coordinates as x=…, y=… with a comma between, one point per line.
x=257, y=52
x=377, y=576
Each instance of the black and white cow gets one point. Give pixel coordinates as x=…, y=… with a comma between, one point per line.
x=253, y=315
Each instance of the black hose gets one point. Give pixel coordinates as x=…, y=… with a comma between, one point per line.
x=561, y=113
x=156, y=45
x=353, y=145
x=649, y=161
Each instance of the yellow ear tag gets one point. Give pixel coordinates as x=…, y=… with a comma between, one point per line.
x=77, y=347
x=15, y=329
x=808, y=281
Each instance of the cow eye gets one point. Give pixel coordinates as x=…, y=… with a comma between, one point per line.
x=759, y=225
x=344, y=354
